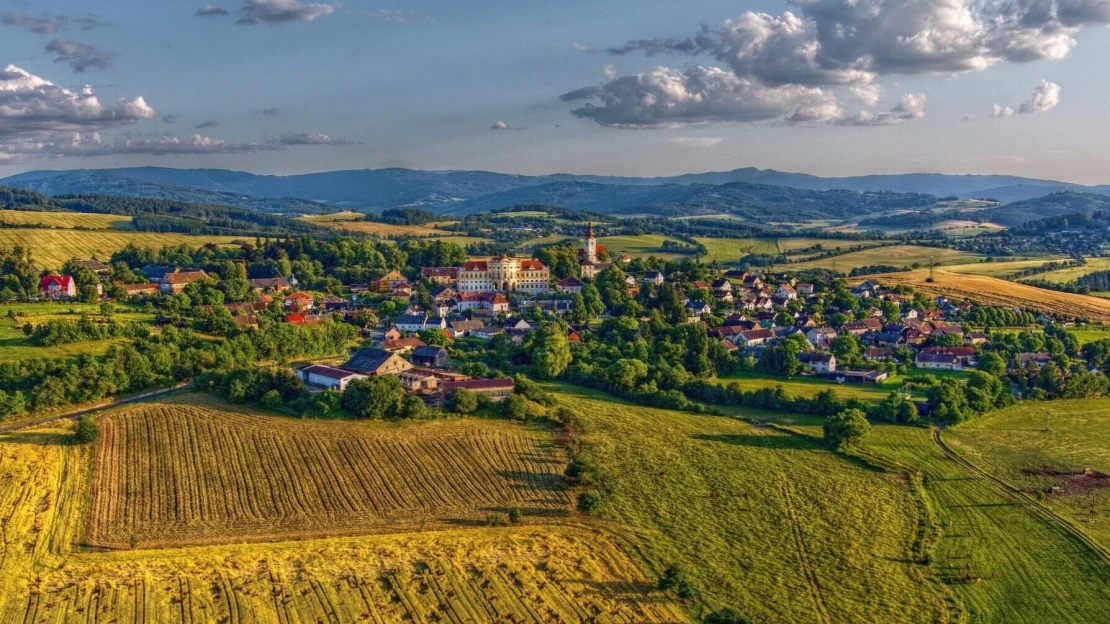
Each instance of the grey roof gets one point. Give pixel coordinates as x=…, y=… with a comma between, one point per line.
x=367, y=360
x=428, y=351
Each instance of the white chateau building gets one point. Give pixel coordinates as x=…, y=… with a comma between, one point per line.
x=505, y=274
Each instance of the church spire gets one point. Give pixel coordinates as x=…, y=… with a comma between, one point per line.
x=590, y=230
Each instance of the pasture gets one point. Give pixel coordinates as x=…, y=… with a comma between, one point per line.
x=16, y=346
x=195, y=470
x=1002, y=268
x=1015, y=445
x=992, y=291
x=891, y=255
x=501, y=574
x=643, y=245
x=1064, y=276
x=732, y=249
x=65, y=220
x=52, y=248
x=767, y=522
x=995, y=558
x=809, y=386
x=792, y=244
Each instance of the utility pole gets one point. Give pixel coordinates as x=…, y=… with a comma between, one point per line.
x=931, y=263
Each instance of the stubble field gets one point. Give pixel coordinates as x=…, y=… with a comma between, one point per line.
x=519, y=575
x=193, y=470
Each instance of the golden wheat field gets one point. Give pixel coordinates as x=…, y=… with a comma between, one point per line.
x=52, y=248
x=191, y=470
x=353, y=221
x=65, y=220
x=500, y=574
x=993, y=291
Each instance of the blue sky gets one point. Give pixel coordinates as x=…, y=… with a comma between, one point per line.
x=311, y=87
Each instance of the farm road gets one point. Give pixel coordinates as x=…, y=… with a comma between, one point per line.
x=88, y=410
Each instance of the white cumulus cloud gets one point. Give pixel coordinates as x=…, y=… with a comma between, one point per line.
x=275, y=12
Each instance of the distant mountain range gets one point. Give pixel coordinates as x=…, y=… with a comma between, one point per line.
x=465, y=192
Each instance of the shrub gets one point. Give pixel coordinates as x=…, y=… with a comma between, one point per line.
x=495, y=519
x=671, y=577
x=86, y=430
x=516, y=516
x=725, y=616
x=589, y=502
x=464, y=402
x=271, y=400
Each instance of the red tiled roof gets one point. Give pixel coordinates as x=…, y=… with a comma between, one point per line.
x=531, y=265
x=185, y=277
x=476, y=265
x=61, y=281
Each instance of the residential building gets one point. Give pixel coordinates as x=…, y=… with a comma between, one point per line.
x=328, y=377
x=372, y=362
x=938, y=361
x=460, y=329
x=140, y=289
x=818, y=362
x=443, y=276
x=419, y=322
x=402, y=346
x=786, y=292
x=493, y=301
x=431, y=357
x=270, y=284
x=754, y=337
x=58, y=287
x=820, y=337
x=570, y=285
x=697, y=309
x=176, y=281
x=654, y=277
x=858, y=377
x=299, y=302
x=1032, y=360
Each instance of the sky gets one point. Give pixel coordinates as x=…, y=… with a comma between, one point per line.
x=621, y=87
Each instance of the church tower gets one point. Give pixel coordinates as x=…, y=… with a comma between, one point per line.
x=591, y=245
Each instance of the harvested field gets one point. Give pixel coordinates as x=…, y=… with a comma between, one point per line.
x=388, y=229
x=992, y=291
x=502, y=574
x=732, y=249
x=192, y=470
x=65, y=220
x=52, y=248
x=1001, y=268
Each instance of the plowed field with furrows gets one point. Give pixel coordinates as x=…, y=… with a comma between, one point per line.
x=175, y=473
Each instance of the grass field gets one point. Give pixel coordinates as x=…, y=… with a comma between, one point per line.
x=382, y=229
x=1000, y=268
x=643, y=245
x=992, y=291
x=766, y=522
x=1090, y=333
x=896, y=255
x=16, y=346
x=194, y=470
x=52, y=248
x=1013, y=444
x=1030, y=570
x=1063, y=276
x=732, y=249
x=520, y=574
x=808, y=386
x=66, y=219
x=790, y=244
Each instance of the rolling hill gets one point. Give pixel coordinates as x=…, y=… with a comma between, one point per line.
x=377, y=189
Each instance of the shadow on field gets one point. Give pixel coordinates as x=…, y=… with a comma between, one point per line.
x=768, y=441
x=50, y=438
x=523, y=480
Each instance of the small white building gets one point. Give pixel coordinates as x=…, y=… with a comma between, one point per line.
x=327, y=377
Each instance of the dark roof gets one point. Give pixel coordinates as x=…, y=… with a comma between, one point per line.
x=428, y=351
x=269, y=282
x=327, y=371
x=156, y=272
x=367, y=360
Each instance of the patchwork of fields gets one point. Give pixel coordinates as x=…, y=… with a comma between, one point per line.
x=992, y=291
x=896, y=255
x=193, y=471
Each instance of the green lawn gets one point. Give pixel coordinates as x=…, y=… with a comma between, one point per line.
x=15, y=346
x=732, y=249
x=767, y=522
x=1031, y=570
x=896, y=255
x=809, y=386
x=1014, y=445
x=642, y=245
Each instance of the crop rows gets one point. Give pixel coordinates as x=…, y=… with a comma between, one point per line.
x=177, y=473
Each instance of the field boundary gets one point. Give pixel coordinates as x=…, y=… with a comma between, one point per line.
x=137, y=398
x=1045, y=513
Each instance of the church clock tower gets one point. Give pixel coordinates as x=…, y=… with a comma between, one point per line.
x=591, y=245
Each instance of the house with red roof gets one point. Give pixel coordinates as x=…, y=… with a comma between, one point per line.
x=58, y=287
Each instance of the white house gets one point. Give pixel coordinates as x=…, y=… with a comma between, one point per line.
x=419, y=322
x=327, y=377
x=653, y=277
x=786, y=292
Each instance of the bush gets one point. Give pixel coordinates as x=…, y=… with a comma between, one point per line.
x=846, y=429
x=515, y=407
x=671, y=578
x=464, y=402
x=495, y=519
x=725, y=616
x=86, y=430
x=271, y=400
x=589, y=502
x=516, y=516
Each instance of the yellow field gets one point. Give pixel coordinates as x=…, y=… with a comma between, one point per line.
x=65, y=219
x=52, y=248
x=1001, y=268
x=190, y=470
x=388, y=229
x=896, y=255
x=992, y=291
x=501, y=574
x=732, y=249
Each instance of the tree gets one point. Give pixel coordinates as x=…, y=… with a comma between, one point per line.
x=589, y=502
x=11, y=404
x=725, y=616
x=463, y=402
x=271, y=400
x=374, y=397
x=435, y=337
x=846, y=429
x=515, y=407
x=846, y=348
x=592, y=297
x=413, y=407
x=551, y=351
x=86, y=430
x=948, y=402
x=516, y=516
x=993, y=364
x=579, y=313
